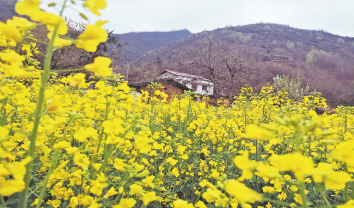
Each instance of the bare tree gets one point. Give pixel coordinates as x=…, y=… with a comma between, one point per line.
x=227, y=69
x=234, y=65
x=209, y=60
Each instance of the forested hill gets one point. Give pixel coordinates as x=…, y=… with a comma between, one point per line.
x=323, y=61
x=138, y=44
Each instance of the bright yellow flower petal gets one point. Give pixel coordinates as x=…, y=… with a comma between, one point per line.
x=95, y=5
x=92, y=37
x=21, y=23
x=27, y=7
x=10, y=32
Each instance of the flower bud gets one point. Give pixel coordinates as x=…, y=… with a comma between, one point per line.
x=315, y=122
x=83, y=16
x=328, y=133
x=268, y=127
x=279, y=121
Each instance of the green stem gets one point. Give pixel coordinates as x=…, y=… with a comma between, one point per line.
x=102, y=131
x=161, y=167
x=2, y=201
x=152, y=109
x=186, y=120
x=305, y=149
x=46, y=70
x=297, y=139
x=303, y=195
x=346, y=121
x=44, y=188
x=53, y=164
x=345, y=194
x=352, y=186
x=44, y=43
x=19, y=47
x=245, y=118
x=325, y=199
x=3, y=120
x=200, y=194
x=109, y=152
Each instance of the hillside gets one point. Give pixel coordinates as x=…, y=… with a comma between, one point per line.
x=324, y=61
x=7, y=10
x=137, y=44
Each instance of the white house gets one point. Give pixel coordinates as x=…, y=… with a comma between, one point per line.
x=196, y=83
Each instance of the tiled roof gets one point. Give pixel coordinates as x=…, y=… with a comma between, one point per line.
x=184, y=74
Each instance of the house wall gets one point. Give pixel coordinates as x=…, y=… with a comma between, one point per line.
x=169, y=89
x=210, y=88
x=188, y=81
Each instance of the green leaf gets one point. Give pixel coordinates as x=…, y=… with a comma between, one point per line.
x=320, y=187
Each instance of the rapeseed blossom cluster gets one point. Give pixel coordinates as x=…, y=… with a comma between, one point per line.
x=64, y=145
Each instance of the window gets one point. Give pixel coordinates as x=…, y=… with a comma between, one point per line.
x=204, y=88
x=194, y=87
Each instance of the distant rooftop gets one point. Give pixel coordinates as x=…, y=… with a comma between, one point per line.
x=184, y=74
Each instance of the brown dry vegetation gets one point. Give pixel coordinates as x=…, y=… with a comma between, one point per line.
x=324, y=61
x=69, y=57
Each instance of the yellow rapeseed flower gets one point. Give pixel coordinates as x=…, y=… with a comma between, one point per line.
x=349, y=204
x=21, y=23
x=9, y=187
x=241, y=192
x=77, y=79
x=100, y=66
x=148, y=197
x=27, y=7
x=135, y=189
x=95, y=5
x=119, y=164
x=246, y=165
x=4, y=132
x=125, y=203
x=93, y=35
x=110, y=192
x=211, y=195
x=336, y=180
x=81, y=160
x=297, y=163
x=179, y=203
x=11, y=57
x=254, y=132
x=49, y=19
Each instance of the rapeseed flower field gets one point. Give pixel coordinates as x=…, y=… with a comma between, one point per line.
x=63, y=145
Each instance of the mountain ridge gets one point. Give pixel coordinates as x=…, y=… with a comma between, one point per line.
x=324, y=61
x=136, y=44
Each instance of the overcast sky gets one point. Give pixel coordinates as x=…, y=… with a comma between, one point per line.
x=334, y=16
